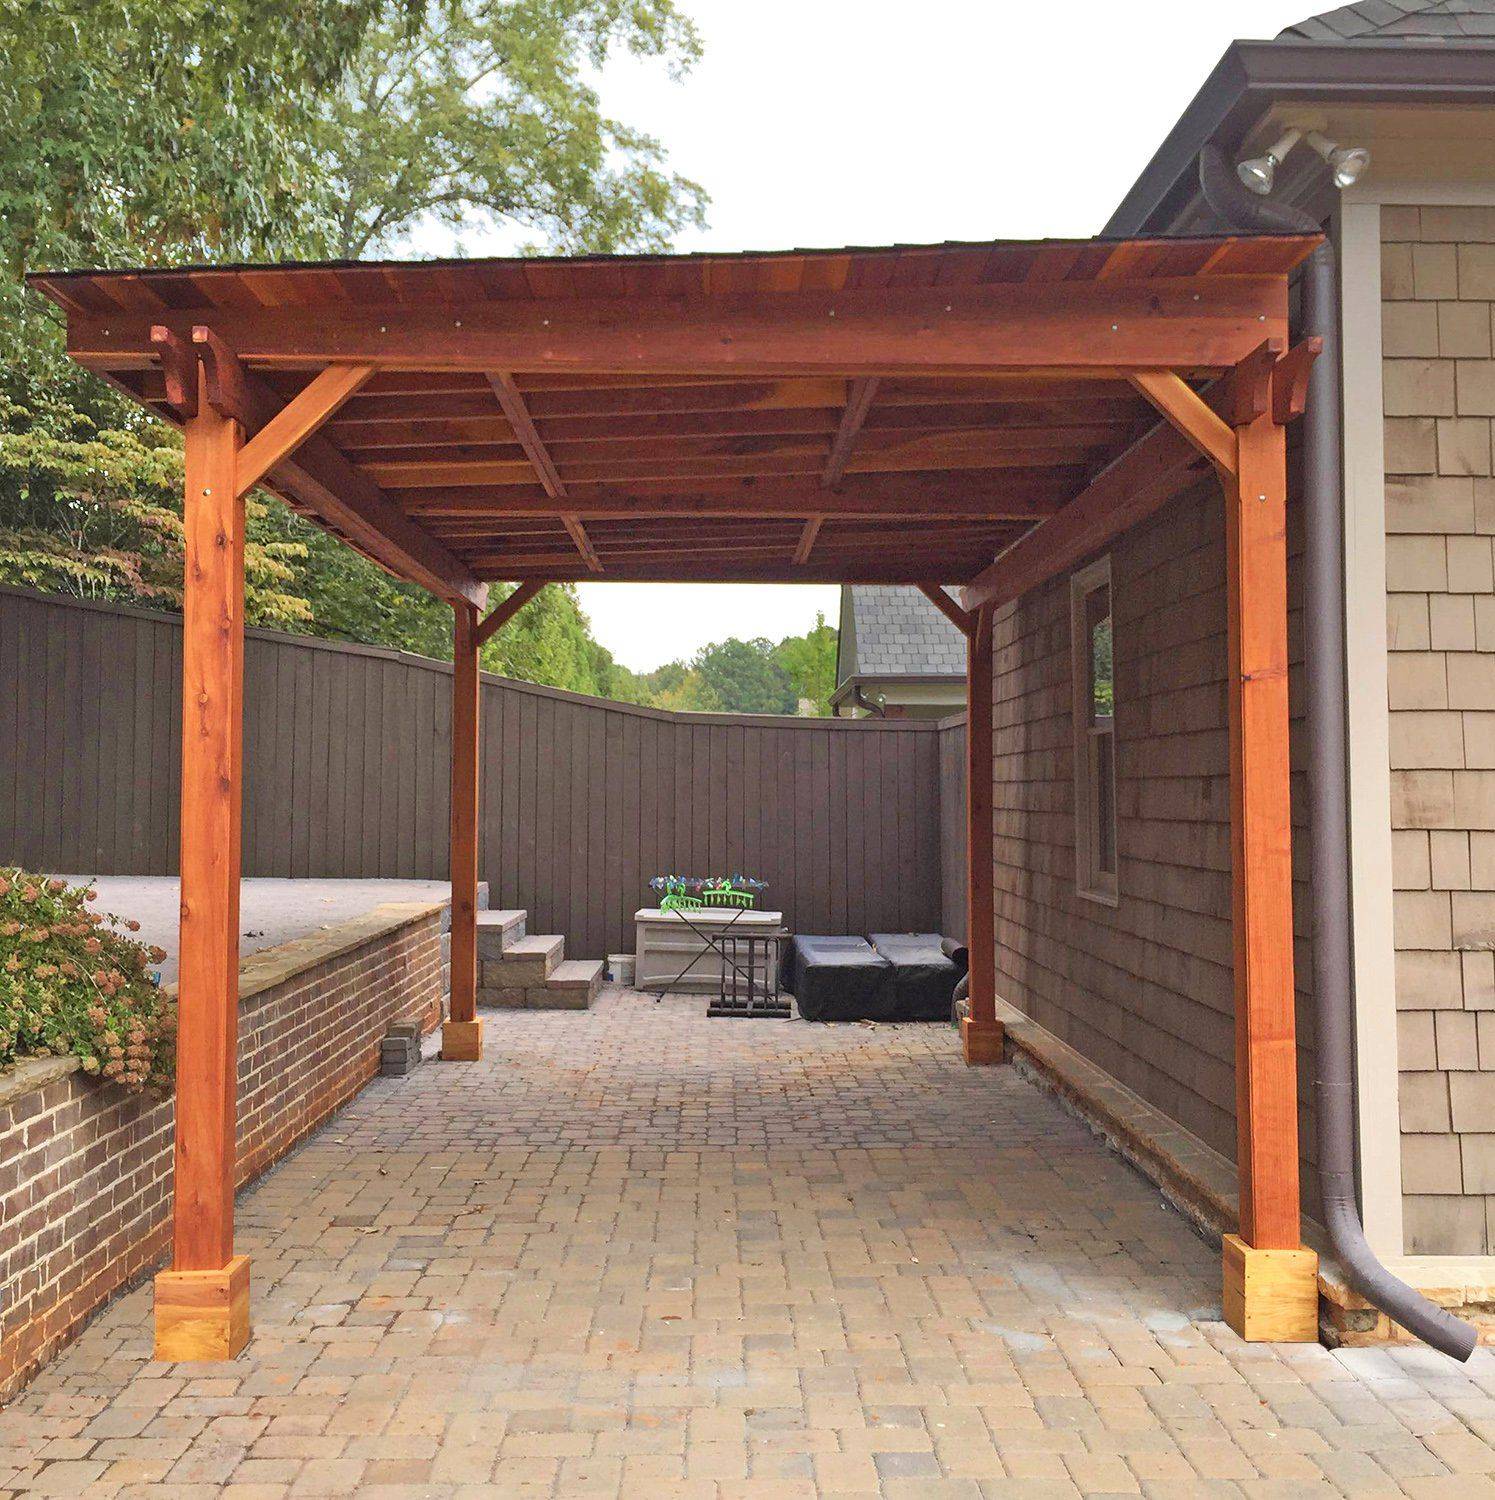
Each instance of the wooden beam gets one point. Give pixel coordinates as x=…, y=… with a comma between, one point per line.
x=211, y=820
x=1154, y=469
x=211, y=782
x=958, y=617
x=806, y=544
x=1191, y=414
x=1182, y=323
x=225, y=384
x=179, y=371
x=1261, y=840
x=438, y=425
x=284, y=433
x=624, y=410
x=578, y=534
x=981, y=1032
x=511, y=399
x=461, y=1037
x=318, y=477
x=910, y=570
x=1009, y=494
x=785, y=460
x=505, y=611
x=858, y=404
x=1290, y=380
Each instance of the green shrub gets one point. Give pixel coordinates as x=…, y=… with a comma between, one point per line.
x=72, y=983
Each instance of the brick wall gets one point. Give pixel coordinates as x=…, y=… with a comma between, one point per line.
x=1438, y=268
x=1143, y=989
x=85, y=1168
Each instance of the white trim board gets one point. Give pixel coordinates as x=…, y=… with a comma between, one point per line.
x=1379, y=1134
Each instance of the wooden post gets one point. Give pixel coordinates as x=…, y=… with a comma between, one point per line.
x=202, y=1303
x=981, y=1032
x=1271, y=1288
x=462, y=1036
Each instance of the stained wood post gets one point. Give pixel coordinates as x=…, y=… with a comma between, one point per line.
x=981, y=1032
x=461, y=1037
x=1270, y=1281
x=202, y=1303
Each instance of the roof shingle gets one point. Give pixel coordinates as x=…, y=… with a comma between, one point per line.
x=899, y=633
x=1447, y=21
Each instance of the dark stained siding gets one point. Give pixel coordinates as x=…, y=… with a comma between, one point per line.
x=345, y=767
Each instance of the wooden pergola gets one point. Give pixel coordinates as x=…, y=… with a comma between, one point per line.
x=984, y=415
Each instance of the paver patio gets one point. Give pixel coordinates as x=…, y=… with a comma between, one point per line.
x=640, y=1253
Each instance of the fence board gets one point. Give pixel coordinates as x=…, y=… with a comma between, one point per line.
x=854, y=825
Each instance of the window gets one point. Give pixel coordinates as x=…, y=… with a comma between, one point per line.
x=1094, y=732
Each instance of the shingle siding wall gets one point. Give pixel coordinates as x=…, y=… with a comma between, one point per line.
x=85, y=1168
x=1144, y=989
x=1438, y=269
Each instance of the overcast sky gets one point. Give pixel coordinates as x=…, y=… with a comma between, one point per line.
x=843, y=122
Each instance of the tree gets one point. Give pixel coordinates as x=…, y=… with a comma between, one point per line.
x=550, y=641
x=742, y=677
x=265, y=129
x=810, y=661
x=141, y=130
x=97, y=515
x=482, y=114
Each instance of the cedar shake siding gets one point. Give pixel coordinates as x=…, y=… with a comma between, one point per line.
x=1144, y=989
x=1438, y=290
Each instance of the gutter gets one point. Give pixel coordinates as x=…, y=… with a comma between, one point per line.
x=1328, y=776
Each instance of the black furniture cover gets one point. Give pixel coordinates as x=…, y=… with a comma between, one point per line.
x=923, y=977
x=839, y=979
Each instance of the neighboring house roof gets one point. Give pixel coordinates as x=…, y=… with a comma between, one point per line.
x=1376, y=51
x=1401, y=20
x=896, y=632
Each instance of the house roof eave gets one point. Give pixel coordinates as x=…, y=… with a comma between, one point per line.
x=1252, y=75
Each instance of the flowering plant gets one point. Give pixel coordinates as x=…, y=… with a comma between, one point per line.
x=72, y=983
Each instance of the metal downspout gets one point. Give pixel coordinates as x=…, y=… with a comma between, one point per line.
x=1328, y=777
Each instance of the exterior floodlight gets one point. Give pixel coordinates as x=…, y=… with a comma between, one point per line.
x=1257, y=172
x=1346, y=162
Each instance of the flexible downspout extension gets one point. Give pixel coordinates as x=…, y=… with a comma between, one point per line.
x=1328, y=775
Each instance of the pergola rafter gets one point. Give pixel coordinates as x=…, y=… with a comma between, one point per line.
x=983, y=416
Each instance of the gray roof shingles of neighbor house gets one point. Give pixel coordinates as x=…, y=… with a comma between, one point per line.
x=897, y=632
x=1401, y=21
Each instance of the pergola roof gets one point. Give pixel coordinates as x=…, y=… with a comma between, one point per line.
x=864, y=415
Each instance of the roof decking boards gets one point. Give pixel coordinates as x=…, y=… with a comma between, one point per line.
x=865, y=415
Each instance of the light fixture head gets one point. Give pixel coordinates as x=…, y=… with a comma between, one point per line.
x=1258, y=172
x=1348, y=163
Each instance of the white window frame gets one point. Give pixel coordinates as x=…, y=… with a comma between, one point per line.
x=1091, y=882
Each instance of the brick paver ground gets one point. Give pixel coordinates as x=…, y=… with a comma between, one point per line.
x=639, y=1253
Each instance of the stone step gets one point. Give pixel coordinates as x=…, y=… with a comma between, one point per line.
x=579, y=979
x=572, y=985
x=525, y=961
x=498, y=931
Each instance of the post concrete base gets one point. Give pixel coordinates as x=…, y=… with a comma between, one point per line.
x=202, y=1315
x=1271, y=1296
x=983, y=1041
x=461, y=1041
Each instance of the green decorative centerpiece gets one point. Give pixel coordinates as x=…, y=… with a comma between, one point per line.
x=692, y=892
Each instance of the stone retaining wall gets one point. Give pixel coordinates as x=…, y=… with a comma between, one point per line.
x=85, y=1168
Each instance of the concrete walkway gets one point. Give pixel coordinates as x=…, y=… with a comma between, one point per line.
x=271, y=911
x=639, y=1253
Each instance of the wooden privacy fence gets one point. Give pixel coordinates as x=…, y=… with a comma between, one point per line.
x=346, y=775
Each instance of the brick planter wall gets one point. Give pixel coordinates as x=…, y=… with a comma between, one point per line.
x=85, y=1168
